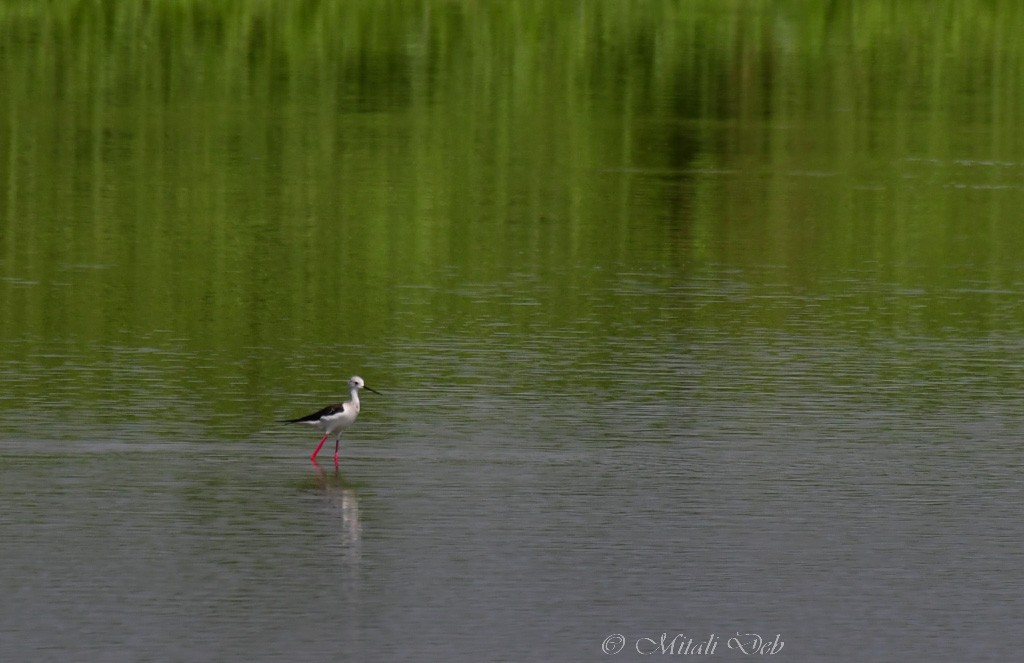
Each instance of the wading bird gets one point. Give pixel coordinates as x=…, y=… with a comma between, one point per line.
x=335, y=419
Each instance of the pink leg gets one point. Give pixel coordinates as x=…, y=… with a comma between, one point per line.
x=313, y=457
x=336, y=444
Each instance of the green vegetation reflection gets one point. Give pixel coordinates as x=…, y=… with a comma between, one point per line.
x=237, y=175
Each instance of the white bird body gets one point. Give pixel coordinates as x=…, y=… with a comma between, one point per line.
x=335, y=419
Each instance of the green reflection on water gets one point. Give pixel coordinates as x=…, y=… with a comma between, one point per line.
x=243, y=178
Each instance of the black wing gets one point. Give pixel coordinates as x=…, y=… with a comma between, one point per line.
x=319, y=414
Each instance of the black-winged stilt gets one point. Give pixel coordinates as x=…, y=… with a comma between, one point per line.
x=334, y=419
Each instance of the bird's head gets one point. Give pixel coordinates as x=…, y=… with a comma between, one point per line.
x=357, y=382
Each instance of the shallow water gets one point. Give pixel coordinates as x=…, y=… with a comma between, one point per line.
x=702, y=358
x=481, y=522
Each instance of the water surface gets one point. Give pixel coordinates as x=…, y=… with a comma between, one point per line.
x=695, y=322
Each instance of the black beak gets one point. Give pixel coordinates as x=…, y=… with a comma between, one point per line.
x=373, y=390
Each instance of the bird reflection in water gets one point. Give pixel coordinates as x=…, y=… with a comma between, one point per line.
x=345, y=502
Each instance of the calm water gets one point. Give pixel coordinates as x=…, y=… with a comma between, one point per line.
x=685, y=324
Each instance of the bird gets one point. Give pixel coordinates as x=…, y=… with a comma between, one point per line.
x=335, y=419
